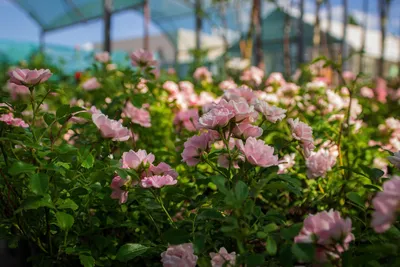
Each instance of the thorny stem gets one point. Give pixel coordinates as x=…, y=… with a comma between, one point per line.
x=159, y=200
x=34, y=113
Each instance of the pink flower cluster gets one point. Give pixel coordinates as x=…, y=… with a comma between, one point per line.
x=276, y=79
x=386, y=205
x=202, y=74
x=10, y=120
x=91, y=84
x=179, y=256
x=195, y=146
x=189, y=119
x=271, y=113
x=143, y=59
x=303, y=133
x=223, y=258
x=29, y=77
x=329, y=231
x=252, y=76
x=227, y=84
x=102, y=57
x=110, y=128
x=257, y=152
x=17, y=90
x=137, y=115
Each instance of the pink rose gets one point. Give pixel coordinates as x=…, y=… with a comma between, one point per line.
x=143, y=59
x=367, y=92
x=286, y=163
x=348, y=76
x=17, y=90
x=271, y=113
x=134, y=160
x=117, y=192
x=179, y=256
x=319, y=163
x=329, y=231
x=102, y=57
x=188, y=118
x=253, y=76
x=386, y=204
x=245, y=130
x=202, y=74
x=257, y=152
x=196, y=145
x=227, y=84
x=381, y=90
x=157, y=181
x=240, y=94
x=219, y=116
x=10, y=120
x=161, y=169
x=395, y=159
x=29, y=77
x=223, y=258
x=171, y=87
x=110, y=128
x=91, y=84
x=137, y=115
x=300, y=130
x=276, y=79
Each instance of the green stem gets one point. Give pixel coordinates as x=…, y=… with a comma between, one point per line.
x=34, y=114
x=159, y=200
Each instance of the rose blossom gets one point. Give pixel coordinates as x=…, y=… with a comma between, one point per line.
x=381, y=90
x=387, y=205
x=188, y=118
x=110, y=128
x=91, y=84
x=242, y=93
x=286, y=163
x=102, y=57
x=137, y=115
x=196, y=145
x=161, y=169
x=10, y=120
x=179, y=256
x=253, y=75
x=319, y=163
x=395, y=159
x=276, y=78
x=246, y=130
x=271, y=113
x=300, y=130
x=348, y=76
x=29, y=77
x=219, y=116
x=171, y=87
x=257, y=152
x=202, y=74
x=223, y=258
x=227, y=84
x=117, y=192
x=329, y=231
x=17, y=90
x=143, y=59
x=134, y=160
x=367, y=92
x=157, y=181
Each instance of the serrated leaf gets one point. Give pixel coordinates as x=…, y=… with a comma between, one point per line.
x=64, y=220
x=39, y=183
x=355, y=198
x=67, y=204
x=130, y=251
x=241, y=191
x=88, y=162
x=271, y=246
x=86, y=260
x=303, y=252
x=21, y=167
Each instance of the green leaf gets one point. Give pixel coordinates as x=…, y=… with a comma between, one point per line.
x=49, y=118
x=372, y=173
x=373, y=187
x=86, y=260
x=62, y=111
x=271, y=246
x=255, y=260
x=64, y=220
x=219, y=181
x=21, y=167
x=210, y=214
x=176, y=236
x=292, y=231
x=67, y=204
x=31, y=203
x=88, y=162
x=130, y=251
x=355, y=198
x=241, y=191
x=39, y=183
x=270, y=227
x=303, y=252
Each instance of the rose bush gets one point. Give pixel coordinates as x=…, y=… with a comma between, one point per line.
x=127, y=166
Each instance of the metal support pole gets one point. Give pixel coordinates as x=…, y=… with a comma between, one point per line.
x=146, y=23
x=199, y=23
x=41, y=41
x=107, y=25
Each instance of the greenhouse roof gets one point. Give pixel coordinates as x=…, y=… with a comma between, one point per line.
x=168, y=15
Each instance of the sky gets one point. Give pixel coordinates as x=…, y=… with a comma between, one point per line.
x=15, y=24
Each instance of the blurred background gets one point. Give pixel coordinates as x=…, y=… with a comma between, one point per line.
x=277, y=36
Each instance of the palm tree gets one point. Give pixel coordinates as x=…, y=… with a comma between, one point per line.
x=364, y=34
